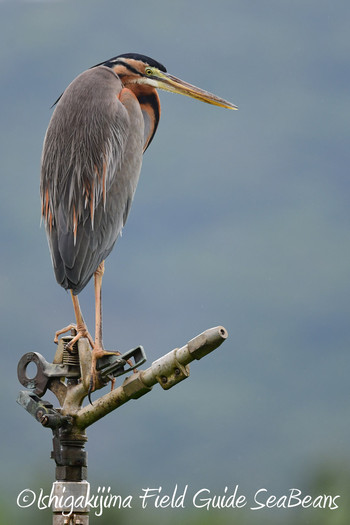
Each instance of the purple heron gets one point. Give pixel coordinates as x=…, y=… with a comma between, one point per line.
x=91, y=162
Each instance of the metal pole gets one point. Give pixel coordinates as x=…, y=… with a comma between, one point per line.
x=71, y=488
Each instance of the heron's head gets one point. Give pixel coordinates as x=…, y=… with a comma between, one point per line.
x=141, y=70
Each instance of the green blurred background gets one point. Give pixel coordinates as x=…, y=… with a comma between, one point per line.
x=240, y=219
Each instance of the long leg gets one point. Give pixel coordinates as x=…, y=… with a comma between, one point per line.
x=98, y=304
x=98, y=350
x=80, y=326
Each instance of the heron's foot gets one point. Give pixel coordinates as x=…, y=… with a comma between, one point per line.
x=64, y=330
x=97, y=353
x=81, y=331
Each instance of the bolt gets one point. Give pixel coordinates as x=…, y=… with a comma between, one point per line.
x=40, y=414
x=177, y=371
x=44, y=420
x=164, y=379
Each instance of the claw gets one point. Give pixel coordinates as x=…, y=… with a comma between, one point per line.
x=81, y=332
x=64, y=331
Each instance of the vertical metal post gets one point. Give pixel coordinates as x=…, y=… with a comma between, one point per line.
x=71, y=488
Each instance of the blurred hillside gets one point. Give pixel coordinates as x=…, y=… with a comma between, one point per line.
x=240, y=218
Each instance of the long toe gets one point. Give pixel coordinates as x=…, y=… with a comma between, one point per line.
x=64, y=331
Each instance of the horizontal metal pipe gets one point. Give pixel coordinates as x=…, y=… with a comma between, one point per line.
x=168, y=370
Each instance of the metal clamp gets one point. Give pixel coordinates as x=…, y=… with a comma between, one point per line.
x=169, y=371
x=113, y=365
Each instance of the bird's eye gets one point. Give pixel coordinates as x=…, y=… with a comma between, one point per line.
x=148, y=71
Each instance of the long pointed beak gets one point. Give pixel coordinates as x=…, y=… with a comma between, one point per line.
x=175, y=85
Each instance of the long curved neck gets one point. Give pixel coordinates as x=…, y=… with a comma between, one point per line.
x=147, y=96
x=150, y=106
